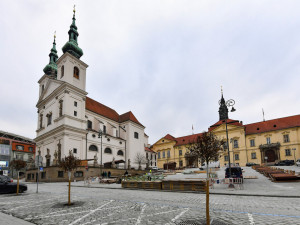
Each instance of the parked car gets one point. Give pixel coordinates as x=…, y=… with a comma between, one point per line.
x=236, y=172
x=9, y=180
x=10, y=187
x=298, y=162
x=285, y=163
x=251, y=164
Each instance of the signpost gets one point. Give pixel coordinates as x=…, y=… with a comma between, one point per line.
x=38, y=162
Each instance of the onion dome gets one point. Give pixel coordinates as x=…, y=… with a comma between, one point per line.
x=52, y=67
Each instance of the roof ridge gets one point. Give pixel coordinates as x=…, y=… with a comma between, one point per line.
x=271, y=120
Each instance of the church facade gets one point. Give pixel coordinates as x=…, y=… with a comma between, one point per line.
x=265, y=142
x=69, y=121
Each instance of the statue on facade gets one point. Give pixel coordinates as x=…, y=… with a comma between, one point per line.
x=55, y=160
x=113, y=163
x=95, y=160
x=129, y=166
x=48, y=157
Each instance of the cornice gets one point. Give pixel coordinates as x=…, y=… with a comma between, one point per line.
x=71, y=56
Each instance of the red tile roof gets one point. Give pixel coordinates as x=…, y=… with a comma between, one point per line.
x=109, y=113
x=169, y=137
x=129, y=116
x=149, y=150
x=229, y=121
x=187, y=139
x=271, y=125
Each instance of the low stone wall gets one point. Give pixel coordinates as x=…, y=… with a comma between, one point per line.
x=170, y=185
x=56, y=174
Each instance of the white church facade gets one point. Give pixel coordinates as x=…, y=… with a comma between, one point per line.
x=68, y=120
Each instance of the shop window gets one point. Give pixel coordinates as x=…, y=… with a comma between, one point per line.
x=76, y=72
x=28, y=176
x=43, y=175
x=60, y=174
x=180, y=163
x=78, y=174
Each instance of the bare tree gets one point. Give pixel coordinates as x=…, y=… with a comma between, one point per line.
x=69, y=164
x=206, y=147
x=18, y=164
x=140, y=159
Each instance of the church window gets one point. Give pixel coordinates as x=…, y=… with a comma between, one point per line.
x=49, y=119
x=117, y=134
x=120, y=152
x=75, y=103
x=108, y=151
x=146, y=155
x=62, y=70
x=104, y=129
x=89, y=124
x=76, y=72
x=60, y=107
x=136, y=135
x=41, y=120
x=74, y=150
x=75, y=113
x=93, y=148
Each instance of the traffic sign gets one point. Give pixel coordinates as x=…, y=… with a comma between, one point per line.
x=41, y=168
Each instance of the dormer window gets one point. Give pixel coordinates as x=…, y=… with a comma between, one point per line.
x=62, y=71
x=76, y=72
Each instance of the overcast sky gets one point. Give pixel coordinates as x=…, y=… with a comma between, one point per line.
x=163, y=60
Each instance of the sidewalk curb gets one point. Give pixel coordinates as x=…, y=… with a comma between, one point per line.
x=192, y=192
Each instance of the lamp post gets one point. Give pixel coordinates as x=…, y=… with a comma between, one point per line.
x=294, y=149
x=100, y=134
x=229, y=103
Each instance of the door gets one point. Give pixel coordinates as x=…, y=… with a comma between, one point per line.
x=271, y=155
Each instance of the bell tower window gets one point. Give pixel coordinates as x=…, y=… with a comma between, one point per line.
x=76, y=72
x=62, y=71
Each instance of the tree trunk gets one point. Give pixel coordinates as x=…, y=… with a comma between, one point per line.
x=18, y=184
x=207, y=175
x=69, y=199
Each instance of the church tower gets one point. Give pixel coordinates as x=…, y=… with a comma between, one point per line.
x=223, y=110
x=61, y=105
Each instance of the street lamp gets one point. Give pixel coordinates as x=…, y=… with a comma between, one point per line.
x=100, y=134
x=229, y=103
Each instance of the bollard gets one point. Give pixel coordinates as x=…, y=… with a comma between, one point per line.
x=207, y=202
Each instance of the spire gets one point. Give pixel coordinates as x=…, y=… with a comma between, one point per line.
x=223, y=110
x=72, y=46
x=51, y=68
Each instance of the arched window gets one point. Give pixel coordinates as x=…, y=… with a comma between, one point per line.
x=93, y=148
x=62, y=71
x=108, y=151
x=120, y=152
x=76, y=72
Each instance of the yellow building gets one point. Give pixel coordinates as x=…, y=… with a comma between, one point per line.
x=261, y=142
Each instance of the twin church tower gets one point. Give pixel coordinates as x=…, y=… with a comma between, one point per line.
x=68, y=120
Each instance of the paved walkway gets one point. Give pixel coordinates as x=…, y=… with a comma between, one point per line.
x=261, y=186
x=11, y=220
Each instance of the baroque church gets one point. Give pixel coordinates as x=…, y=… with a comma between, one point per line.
x=69, y=121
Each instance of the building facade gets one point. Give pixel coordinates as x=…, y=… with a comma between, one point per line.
x=13, y=146
x=68, y=120
x=264, y=142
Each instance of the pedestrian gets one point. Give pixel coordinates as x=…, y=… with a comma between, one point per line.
x=109, y=174
x=105, y=174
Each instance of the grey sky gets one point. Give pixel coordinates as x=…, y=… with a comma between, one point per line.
x=163, y=60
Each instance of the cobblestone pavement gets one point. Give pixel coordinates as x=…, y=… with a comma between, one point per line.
x=118, y=206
